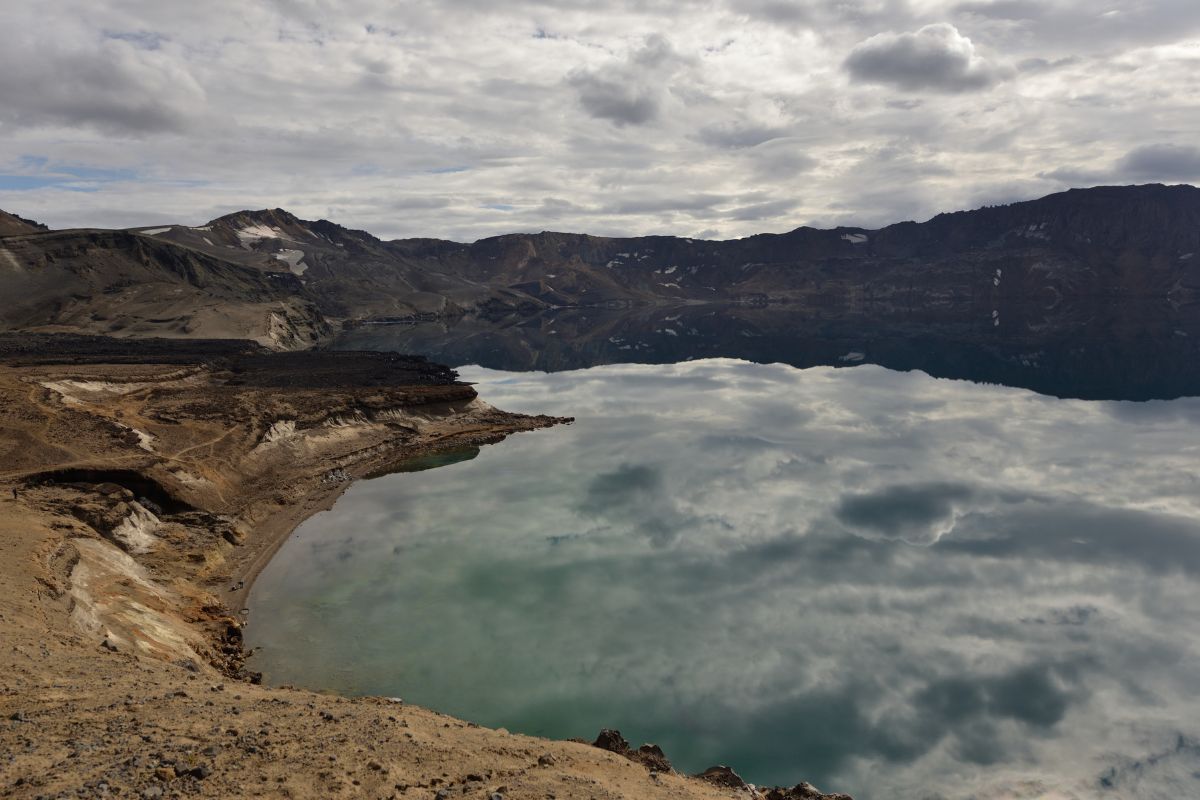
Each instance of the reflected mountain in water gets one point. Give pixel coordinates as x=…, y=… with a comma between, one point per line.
x=1099, y=350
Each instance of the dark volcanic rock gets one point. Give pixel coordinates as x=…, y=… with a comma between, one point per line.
x=650, y=756
x=612, y=741
x=804, y=791
x=722, y=776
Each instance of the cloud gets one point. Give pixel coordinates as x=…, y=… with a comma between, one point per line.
x=1149, y=163
x=350, y=111
x=120, y=84
x=787, y=12
x=920, y=513
x=631, y=92
x=1003, y=9
x=1170, y=163
x=936, y=57
x=737, y=135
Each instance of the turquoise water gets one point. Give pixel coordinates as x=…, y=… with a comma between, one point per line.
x=876, y=581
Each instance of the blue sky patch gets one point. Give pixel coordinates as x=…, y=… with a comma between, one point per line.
x=146, y=40
x=34, y=172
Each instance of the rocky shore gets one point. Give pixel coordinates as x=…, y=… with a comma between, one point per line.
x=142, y=488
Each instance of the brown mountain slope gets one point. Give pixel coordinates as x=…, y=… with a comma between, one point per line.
x=11, y=225
x=126, y=283
x=271, y=276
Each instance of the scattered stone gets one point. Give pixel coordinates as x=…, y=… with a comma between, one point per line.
x=653, y=757
x=722, y=776
x=546, y=760
x=649, y=755
x=18, y=716
x=152, y=793
x=803, y=791
x=611, y=741
x=108, y=644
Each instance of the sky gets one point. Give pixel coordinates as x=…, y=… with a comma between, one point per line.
x=469, y=118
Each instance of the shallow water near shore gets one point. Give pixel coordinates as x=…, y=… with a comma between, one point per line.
x=884, y=583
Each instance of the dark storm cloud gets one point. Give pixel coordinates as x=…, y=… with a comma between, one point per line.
x=1171, y=163
x=936, y=57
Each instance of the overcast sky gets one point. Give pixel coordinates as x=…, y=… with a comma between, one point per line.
x=468, y=118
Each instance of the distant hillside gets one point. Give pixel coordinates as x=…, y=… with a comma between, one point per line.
x=285, y=277
x=11, y=225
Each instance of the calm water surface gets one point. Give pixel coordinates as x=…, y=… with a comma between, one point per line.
x=884, y=583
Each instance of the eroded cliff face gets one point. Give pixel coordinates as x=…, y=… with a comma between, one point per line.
x=271, y=276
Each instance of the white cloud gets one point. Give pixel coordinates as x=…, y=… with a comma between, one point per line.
x=936, y=57
x=416, y=118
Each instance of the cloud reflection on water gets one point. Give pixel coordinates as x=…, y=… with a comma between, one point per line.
x=876, y=581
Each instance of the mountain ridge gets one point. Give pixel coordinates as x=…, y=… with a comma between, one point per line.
x=1097, y=193
x=282, y=280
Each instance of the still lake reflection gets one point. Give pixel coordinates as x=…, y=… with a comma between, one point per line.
x=887, y=584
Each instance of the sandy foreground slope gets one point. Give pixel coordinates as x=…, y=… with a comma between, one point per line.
x=138, y=500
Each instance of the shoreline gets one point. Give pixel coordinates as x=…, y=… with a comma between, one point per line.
x=270, y=535
x=145, y=503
